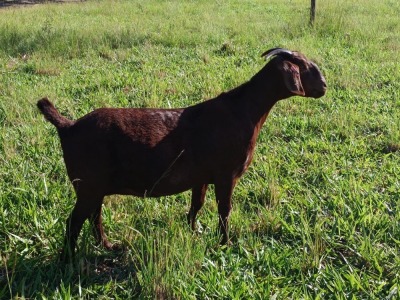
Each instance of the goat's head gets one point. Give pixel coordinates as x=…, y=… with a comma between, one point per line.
x=301, y=76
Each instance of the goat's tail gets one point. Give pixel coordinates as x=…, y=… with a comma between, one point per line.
x=52, y=115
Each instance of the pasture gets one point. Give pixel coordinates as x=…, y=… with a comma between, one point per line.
x=316, y=216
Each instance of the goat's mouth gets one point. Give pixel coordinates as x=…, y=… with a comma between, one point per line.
x=317, y=93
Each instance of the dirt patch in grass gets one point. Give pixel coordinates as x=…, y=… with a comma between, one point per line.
x=9, y=3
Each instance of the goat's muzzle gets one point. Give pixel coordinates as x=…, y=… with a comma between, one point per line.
x=319, y=91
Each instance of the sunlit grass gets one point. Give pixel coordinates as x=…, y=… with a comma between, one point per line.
x=317, y=214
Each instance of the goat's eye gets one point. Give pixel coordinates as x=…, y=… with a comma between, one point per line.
x=304, y=70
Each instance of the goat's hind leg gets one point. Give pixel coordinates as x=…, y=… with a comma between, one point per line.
x=198, y=196
x=85, y=206
x=73, y=227
x=96, y=221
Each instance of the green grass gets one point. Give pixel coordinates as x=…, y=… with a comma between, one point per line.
x=317, y=215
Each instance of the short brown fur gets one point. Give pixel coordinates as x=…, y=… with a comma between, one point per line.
x=157, y=152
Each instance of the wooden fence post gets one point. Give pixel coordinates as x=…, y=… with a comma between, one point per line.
x=312, y=12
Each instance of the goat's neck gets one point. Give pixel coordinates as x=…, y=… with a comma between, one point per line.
x=260, y=94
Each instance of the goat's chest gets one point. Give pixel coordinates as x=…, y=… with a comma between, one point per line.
x=236, y=157
x=245, y=160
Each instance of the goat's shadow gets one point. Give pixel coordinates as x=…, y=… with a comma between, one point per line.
x=32, y=277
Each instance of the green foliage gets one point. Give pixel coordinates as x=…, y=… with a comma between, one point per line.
x=316, y=216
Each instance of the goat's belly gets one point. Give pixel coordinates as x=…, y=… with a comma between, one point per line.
x=152, y=191
x=154, y=175
x=149, y=193
x=155, y=186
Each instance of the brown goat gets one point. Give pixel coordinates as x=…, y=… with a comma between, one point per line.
x=157, y=152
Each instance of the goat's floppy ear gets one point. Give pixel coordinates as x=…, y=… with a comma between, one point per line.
x=291, y=76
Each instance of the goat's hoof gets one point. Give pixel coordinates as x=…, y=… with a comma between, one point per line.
x=108, y=246
x=112, y=247
x=65, y=256
x=226, y=242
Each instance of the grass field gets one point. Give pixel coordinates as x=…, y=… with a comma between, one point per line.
x=317, y=215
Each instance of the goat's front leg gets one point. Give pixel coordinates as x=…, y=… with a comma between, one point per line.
x=198, y=196
x=223, y=193
x=96, y=221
